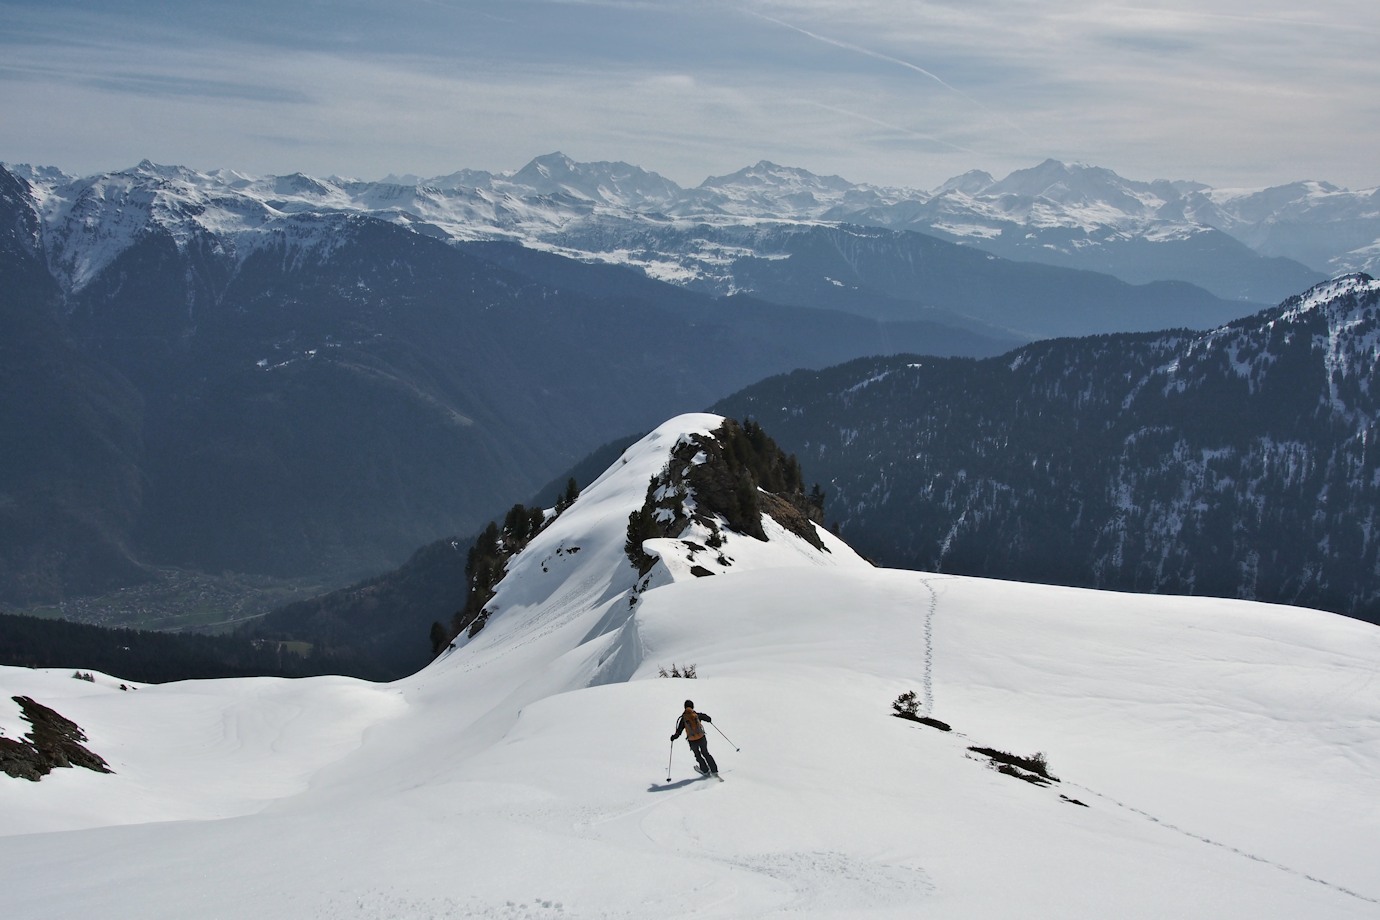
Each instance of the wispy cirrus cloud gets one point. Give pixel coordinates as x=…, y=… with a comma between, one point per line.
x=157, y=85
x=892, y=91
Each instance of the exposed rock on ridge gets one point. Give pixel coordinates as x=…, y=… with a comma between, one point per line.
x=735, y=475
x=55, y=741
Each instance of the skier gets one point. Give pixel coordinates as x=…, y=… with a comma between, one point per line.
x=689, y=723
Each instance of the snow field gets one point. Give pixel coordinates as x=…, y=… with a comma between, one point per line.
x=1237, y=769
x=1226, y=752
x=1252, y=724
x=192, y=750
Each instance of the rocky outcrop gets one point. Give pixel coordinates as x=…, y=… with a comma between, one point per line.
x=54, y=741
x=732, y=477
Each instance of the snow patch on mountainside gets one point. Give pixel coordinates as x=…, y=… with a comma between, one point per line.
x=1349, y=287
x=1350, y=341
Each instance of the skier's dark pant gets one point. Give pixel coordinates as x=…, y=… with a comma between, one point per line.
x=700, y=746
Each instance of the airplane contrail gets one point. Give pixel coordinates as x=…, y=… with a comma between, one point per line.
x=859, y=49
x=848, y=46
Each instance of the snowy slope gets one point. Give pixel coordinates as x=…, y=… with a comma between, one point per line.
x=1226, y=753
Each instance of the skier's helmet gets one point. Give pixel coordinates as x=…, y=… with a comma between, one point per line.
x=689, y=704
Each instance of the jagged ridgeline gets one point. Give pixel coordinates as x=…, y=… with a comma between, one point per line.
x=736, y=475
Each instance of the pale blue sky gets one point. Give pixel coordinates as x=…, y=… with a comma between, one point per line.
x=902, y=92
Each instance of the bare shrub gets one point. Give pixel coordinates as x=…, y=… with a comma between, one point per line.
x=677, y=671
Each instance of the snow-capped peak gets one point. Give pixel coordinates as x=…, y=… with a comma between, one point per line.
x=766, y=174
x=973, y=182
x=1340, y=297
x=1067, y=214
x=39, y=175
x=147, y=167
x=1332, y=290
x=549, y=167
x=616, y=184
x=1078, y=185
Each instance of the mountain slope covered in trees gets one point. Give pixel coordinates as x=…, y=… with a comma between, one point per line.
x=1239, y=462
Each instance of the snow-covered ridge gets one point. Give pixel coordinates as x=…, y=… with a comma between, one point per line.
x=1350, y=288
x=88, y=222
x=579, y=562
x=1340, y=317
x=1228, y=746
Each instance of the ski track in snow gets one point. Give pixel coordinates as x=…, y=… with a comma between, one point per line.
x=928, y=679
x=1220, y=845
x=810, y=880
x=928, y=682
x=824, y=880
x=374, y=905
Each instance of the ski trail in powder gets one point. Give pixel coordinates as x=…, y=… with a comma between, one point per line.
x=927, y=627
x=1219, y=844
x=932, y=607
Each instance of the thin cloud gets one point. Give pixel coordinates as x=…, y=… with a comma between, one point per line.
x=1293, y=18
x=887, y=58
x=849, y=46
x=909, y=132
x=162, y=85
x=1229, y=92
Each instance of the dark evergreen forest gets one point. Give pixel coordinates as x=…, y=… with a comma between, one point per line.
x=156, y=657
x=1235, y=463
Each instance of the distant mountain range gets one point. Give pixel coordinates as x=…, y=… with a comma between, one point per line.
x=311, y=377
x=1257, y=245
x=1239, y=462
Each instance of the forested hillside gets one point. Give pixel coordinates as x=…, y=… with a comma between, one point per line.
x=1239, y=462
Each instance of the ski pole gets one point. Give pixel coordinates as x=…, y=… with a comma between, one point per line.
x=668, y=759
x=726, y=738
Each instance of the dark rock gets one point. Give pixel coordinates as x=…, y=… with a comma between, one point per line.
x=54, y=741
